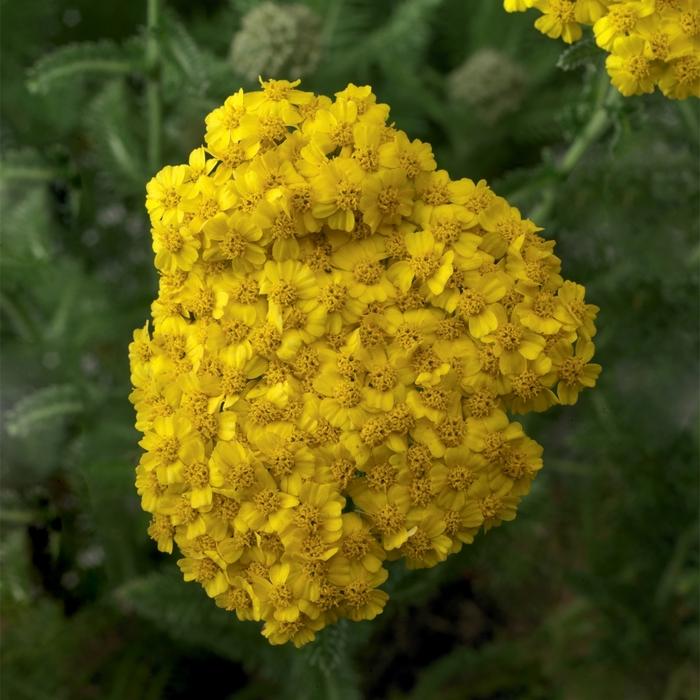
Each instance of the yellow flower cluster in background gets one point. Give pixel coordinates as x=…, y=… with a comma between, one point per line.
x=650, y=42
x=340, y=334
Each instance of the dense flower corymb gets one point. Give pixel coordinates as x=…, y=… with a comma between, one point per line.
x=650, y=42
x=340, y=334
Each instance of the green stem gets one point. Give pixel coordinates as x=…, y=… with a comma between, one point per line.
x=23, y=325
x=153, y=99
x=596, y=126
x=691, y=119
x=29, y=173
x=20, y=517
x=590, y=134
x=332, y=690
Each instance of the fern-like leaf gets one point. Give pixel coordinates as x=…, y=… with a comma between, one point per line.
x=182, y=51
x=400, y=41
x=343, y=22
x=44, y=406
x=243, y=6
x=112, y=130
x=26, y=165
x=26, y=224
x=582, y=53
x=183, y=611
x=329, y=657
x=407, y=32
x=75, y=61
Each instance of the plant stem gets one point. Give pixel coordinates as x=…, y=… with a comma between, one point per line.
x=596, y=126
x=20, y=319
x=690, y=117
x=30, y=173
x=153, y=101
x=19, y=516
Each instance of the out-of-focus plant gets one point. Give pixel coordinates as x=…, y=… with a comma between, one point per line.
x=490, y=82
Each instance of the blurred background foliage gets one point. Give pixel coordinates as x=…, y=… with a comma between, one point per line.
x=591, y=593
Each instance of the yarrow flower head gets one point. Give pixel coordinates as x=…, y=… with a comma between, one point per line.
x=277, y=39
x=341, y=335
x=650, y=42
x=490, y=83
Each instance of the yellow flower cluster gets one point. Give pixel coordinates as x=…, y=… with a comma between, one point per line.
x=650, y=42
x=339, y=334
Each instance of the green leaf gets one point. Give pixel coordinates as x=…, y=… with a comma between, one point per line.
x=114, y=134
x=343, y=22
x=407, y=32
x=26, y=166
x=583, y=53
x=396, y=44
x=182, y=51
x=184, y=611
x=498, y=669
x=76, y=61
x=329, y=657
x=36, y=629
x=25, y=226
x=44, y=406
x=243, y=6
x=17, y=584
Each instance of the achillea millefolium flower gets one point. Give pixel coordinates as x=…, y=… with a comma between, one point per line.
x=340, y=336
x=490, y=83
x=275, y=39
x=650, y=42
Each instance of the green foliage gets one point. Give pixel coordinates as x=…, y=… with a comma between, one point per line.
x=583, y=53
x=184, y=57
x=505, y=668
x=76, y=61
x=25, y=226
x=569, y=601
x=406, y=34
x=185, y=613
x=46, y=405
x=25, y=165
x=111, y=124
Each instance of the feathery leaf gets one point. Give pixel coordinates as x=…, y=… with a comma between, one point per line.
x=76, y=61
x=46, y=405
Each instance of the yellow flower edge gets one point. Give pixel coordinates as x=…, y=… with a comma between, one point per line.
x=340, y=335
x=650, y=43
